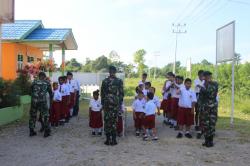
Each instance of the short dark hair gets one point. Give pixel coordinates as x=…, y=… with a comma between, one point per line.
x=171, y=74
x=69, y=73
x=96, y=93
x=148, y=84
x=200, y=72
x=42, y=74
x=150, y=95
x=112, y=68
x=207, y=73
x=55, y=83
x=145, y=74
x=188, y=80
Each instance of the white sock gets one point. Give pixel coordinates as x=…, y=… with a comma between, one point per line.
x=71, y=111
x=187, y=132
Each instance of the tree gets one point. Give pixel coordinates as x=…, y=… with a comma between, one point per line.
x=73, y=65
x=140, y=60
x=205, y=62
x=100, y=63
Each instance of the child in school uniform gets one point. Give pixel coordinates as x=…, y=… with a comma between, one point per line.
x=95, y=114
x=175, y=100
x=64, y=107
x=156, y=99
x=186, y=104
x=166, y=102
x=56, y=106
x=147, y=87
x=138, y=107
x=68, y=102
x=149, y=118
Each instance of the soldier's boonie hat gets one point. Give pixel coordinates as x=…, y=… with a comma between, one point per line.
x=207, y=73
x=112, y=68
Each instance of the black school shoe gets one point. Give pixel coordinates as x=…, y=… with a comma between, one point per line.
x=197, y=128
x=99, y=133
x=32, y=133
x=188, y=135
x=93, y=133
x=180, y=135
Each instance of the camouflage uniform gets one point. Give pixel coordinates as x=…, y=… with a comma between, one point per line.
x=208, y=105
x=111, y=97
x=39, y=90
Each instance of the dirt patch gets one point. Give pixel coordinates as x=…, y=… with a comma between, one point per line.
x=72, y=145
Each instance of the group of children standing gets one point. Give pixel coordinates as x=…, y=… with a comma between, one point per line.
x=65, y=93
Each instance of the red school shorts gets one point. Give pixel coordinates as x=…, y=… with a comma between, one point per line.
x=149, y=122
x=174, y=108
x=64, y=107
x=95, y=119
x=185, y=117
x=138, y=120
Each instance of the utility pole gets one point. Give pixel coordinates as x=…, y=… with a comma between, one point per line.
x=177, y=29
x=156, y=54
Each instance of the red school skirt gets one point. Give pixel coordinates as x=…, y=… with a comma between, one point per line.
x=149, y=122
x=55, y=112
x=64, y=107
x=174, y=108
x=138, y=120
x=95, y=119
x=166, y=105
x=185, y=117
x=119, y=125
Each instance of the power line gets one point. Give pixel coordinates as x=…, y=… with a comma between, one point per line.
x=192, y=11
x=184, y=9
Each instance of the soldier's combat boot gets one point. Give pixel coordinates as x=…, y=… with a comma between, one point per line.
x=108, y=140
x=32, y=133
x=113, y=142
x=206, y=142
x=210, y=142
x=46, y=133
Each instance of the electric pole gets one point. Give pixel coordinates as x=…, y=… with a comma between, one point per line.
x=177, y=29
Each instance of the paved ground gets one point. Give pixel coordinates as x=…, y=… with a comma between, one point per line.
x=72, y=145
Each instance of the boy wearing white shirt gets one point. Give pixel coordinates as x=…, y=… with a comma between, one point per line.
x=166, y=102
x=174, y=100
x=138, y=107
x=64, y=93
x=149, y=117
x=95, y=114
x=56, y=106
x=72, y=85
x=186, y=104
x=198, y=83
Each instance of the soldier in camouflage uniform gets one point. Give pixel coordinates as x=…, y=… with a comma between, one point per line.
x=111, y=97
x=39, y=90
x=209, y=108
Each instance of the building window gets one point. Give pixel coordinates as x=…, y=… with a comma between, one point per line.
x=19, y=62
x=30, y=59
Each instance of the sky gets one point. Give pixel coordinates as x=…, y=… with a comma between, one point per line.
x=100, y=26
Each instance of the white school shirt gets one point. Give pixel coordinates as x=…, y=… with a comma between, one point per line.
x=174, y=90
x=139, y=105
x=95, y=105
x=150, y=108
x=72, y=85
x=57, y=96
x=145, y=92
x=157, y=101
x=196, y=83
x=63, y=90
x=77, y=85
x=187, y=97
x=166, y=93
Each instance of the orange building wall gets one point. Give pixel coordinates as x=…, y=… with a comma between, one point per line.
x=10, y=53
